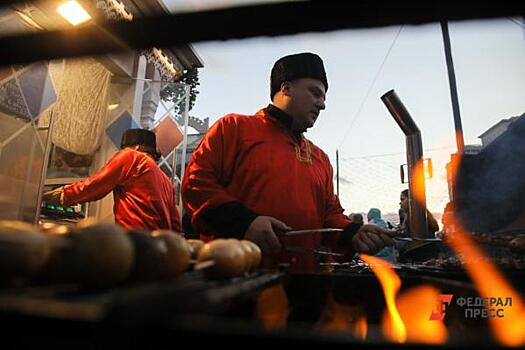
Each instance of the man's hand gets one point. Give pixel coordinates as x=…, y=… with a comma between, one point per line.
x=53, y=197
x=371, y=239
x=262, y=232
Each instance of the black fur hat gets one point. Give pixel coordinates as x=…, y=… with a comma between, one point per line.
x=138, y=137
x=297, y=66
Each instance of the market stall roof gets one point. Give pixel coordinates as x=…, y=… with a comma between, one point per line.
x=183, y=53
x=41, y=17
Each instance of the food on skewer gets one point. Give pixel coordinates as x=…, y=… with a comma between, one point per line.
x=255, y=252
x=517, y=245
x=178, y=252
x=102, y=255
x=23, y=250
x=228, y=258
x=196, y=245
x=151, y=256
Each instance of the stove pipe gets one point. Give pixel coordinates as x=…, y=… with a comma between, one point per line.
x=414, y=149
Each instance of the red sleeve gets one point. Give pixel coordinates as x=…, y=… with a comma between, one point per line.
x=99, y=185
x=210, y=170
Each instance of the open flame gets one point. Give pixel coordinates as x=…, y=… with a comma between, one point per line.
x=395, y=330
x=415, y=306
x=509, y=329
x=272, y=308
x=338, y=317
x=418, y=185
x=407, y=317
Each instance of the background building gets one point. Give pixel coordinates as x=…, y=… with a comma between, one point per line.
x=487, y=137
x=62, y=120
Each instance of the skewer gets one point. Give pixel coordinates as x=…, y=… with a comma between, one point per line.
x=311, y=231
x=204, y=265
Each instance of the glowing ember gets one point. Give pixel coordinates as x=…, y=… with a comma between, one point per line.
x=338, y=317
x=391, y=283
x=272, y=308
x=360, y=328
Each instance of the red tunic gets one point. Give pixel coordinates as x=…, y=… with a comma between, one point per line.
x=144, y=196
x=254, y=160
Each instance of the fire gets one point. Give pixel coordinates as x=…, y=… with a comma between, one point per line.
x=338, y=317
x=509, y=329
x=415, y=306
x=272, y=308
x=396, y=330
x=418, y=178
x=360, y=328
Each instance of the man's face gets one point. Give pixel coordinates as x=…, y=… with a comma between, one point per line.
x=307, y=100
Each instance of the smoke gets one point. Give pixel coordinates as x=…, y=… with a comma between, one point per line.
x=490, y=188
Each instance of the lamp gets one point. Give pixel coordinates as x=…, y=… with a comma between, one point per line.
x=73, y=12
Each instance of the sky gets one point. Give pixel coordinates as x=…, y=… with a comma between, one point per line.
x=362, y=65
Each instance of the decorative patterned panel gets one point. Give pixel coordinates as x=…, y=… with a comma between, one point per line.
x=12, y=101
x=169, y=135
x=9, y=125
x=20, y=167
x=115, y=131
x=32, y=83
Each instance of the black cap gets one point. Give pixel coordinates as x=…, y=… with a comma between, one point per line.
x=297, y=66
x=140, y=137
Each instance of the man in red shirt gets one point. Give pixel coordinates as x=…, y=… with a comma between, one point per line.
x=257, y=176
x=144, y=197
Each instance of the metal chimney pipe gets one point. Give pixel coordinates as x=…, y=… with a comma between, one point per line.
x=414, y=149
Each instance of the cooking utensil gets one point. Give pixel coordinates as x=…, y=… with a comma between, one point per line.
x=411, y=239
x=311, y=231
x=421, y=249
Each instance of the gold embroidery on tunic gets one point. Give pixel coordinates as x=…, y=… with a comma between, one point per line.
x=307, y=157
